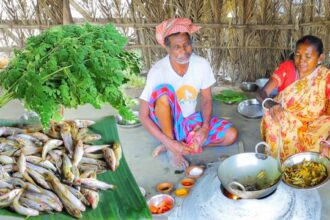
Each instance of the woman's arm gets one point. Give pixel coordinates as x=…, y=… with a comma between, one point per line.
x=265, y=92
x=327, y=108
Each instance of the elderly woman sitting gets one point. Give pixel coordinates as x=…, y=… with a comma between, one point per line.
x=298, y=119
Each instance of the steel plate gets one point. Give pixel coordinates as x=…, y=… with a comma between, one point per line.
x=250, y=108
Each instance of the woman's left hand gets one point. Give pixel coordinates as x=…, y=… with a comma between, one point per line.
x=276, y=112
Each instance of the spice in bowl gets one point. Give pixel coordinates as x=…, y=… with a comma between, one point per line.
x=164, y=187
x=194, y=172
x=181, y=192
x=160, y=205
x=187, y=182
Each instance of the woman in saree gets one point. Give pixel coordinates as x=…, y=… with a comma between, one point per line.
x=298, y=119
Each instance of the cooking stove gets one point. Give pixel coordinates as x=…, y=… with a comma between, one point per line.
x=229, y=195
x=207, y=201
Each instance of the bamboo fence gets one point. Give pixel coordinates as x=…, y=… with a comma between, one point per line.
x=243, y=39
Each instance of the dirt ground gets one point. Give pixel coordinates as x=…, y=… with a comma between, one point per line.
x=138, y=145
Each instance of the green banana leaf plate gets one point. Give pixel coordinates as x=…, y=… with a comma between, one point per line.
x=124, y=203
x=229, y=96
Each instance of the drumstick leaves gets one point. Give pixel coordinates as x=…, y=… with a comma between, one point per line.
x=69, y=66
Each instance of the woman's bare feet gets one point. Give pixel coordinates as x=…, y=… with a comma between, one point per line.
x=158, y=150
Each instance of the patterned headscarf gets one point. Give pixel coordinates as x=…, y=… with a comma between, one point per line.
x=174, y=25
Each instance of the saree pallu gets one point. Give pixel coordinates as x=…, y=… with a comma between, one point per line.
x=304, y=123
x=183, y=127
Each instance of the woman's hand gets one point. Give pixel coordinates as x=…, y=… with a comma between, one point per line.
x=276, y=112
x=325, y=148
x=275, y=109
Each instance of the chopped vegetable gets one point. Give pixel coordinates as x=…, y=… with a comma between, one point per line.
x=161, y=208
x=305, y=174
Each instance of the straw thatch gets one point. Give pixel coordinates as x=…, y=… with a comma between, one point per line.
x=243, y=39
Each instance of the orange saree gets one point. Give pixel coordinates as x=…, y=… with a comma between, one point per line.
x=304, y=122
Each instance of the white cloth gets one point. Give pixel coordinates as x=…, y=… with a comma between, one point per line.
x=198, y=76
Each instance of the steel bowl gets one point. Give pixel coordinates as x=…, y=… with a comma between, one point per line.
x=250, y=108
x=157, y=200
x=128, y=124
x=261, y=82
x=309, y=156
x=249, y=86
x=239, y=174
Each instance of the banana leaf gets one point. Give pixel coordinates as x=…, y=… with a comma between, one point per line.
x=123, y=203
x=230, y=96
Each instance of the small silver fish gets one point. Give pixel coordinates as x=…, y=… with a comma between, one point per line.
x=21, y=209
x=67, y=137
x=110, y=158
x=50, y=144
x=38, y=178
x=7, y=131
x=93, y=197
x=94, y=148
x=4, y=159
x=78, y=153
x=66, y=168
x=39, y=161
x=40, y=136
x=94, y=184
x=84, y=123
x=90, y=137
x=118, y=152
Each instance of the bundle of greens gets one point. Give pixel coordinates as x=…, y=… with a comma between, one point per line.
x=230, y=96
x=69, y=66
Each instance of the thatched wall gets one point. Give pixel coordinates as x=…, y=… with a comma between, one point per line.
x=243, y=39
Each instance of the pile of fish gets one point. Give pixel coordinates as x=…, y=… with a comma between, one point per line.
x=48, y=172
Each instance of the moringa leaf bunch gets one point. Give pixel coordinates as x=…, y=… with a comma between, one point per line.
x=68, y=66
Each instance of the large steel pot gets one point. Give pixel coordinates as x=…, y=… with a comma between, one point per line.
x=250, y=175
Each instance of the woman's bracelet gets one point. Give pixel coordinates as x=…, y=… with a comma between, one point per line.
x=264, y=102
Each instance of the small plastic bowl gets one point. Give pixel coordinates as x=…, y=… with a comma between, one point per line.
x=187, y=182
x=181, y=192
x=160, y=205
x=164, y=187
x=194, y=172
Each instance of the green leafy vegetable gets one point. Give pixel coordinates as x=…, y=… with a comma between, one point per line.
x=230, y=96
x=69, y=66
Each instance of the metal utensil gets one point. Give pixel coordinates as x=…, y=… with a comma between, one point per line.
x=240, y=170
x=309, y=156
x=249, y=86
x=159, y=199
x=128, y=124
x=250, y=108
